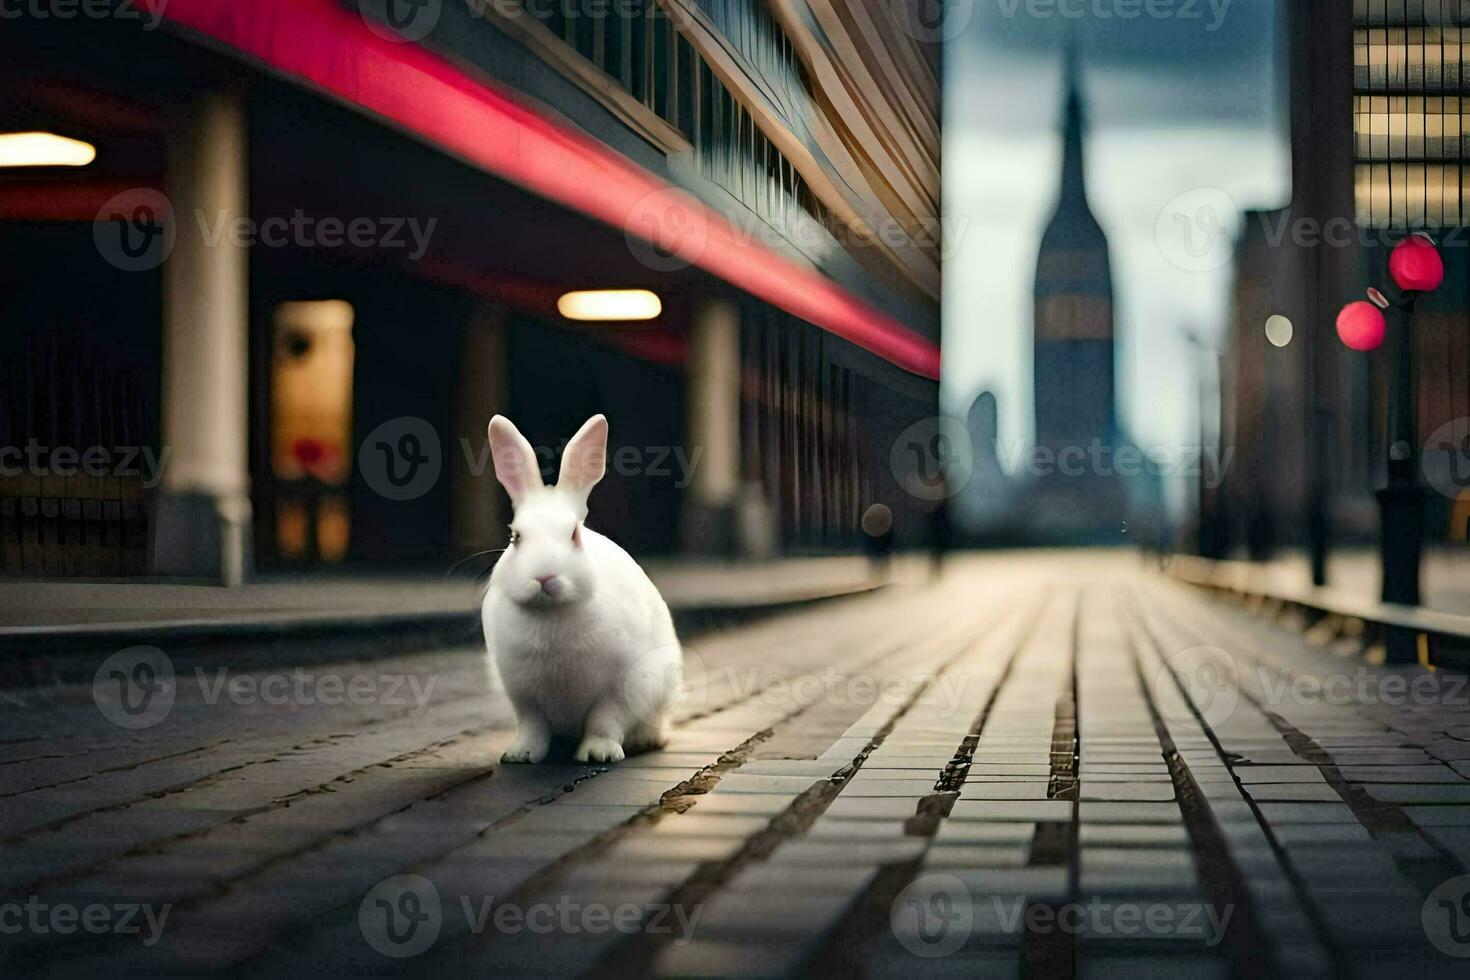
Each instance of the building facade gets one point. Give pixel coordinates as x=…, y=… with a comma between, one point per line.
x=321, y=243
x=1411, y=64
x=1377, y=151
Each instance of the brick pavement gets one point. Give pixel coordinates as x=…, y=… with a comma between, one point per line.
x=1039, y=766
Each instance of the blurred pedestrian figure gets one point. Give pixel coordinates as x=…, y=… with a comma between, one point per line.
x=941, y=536
x=877, y=524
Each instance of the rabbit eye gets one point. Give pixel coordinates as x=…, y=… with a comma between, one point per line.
x=515, y=536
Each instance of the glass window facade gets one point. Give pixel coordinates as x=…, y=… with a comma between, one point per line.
x=1409, y=112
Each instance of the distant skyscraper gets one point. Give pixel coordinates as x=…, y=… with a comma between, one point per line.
x=1074, y=492
x=1073, y=350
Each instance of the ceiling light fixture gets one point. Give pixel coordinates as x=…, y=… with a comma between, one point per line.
x=610, y=304
x=44, y=150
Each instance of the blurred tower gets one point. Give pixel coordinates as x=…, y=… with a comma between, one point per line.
x=1073, y=328
x=1076, y=495
x=1073, y=349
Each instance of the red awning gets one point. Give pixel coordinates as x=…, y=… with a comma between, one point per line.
x=325, y=45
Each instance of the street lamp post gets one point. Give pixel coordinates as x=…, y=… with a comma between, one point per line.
x=1415, y=266
x=1401, y=501
x=1207, y=530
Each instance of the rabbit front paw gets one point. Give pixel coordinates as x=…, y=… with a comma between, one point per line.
x=527, y=749
x=599, y=748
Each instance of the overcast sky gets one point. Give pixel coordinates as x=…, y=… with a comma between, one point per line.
x=1189, y=101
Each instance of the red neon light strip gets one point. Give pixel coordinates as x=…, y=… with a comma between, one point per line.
x=326, y=45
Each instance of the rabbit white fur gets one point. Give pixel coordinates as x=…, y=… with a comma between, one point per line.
x=583, y=641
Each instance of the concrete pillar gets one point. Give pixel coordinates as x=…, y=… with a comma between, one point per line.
x=478, y=523
x=202, y=521
x=714, y=429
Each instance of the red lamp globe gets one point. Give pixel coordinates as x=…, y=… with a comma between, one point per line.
x=1361, y=326
x=1415, y=264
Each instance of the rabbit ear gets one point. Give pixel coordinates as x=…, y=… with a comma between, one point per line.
x=515, y=461
x=584, y=461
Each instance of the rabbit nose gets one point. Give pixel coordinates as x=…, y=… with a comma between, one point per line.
x=545, y=580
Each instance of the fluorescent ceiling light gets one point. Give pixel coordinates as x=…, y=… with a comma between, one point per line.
x=44, y=150
x=610, y=304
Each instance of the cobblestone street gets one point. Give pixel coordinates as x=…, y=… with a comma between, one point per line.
x=1038, y=766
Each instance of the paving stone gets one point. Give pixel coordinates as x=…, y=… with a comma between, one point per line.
x=984, y=832
x=1275, y=813
x=735, y=957
x=1131, y=882
x=1154, y=778
x=1372, y=923
x=674, y=848
x=873, y=808
x=1161, y=858
x=1091, y=768
x=1128, y=835
x=866, y=775
x=763, y=915
x=1351, y=862
x=561, y=818
x=1318, y=833
x=789, y=767
x=1293, y=792
x=839, y=828
x=739, y=782
x=1279, y=774
x=1132, y=965
x=1004, y=791
x=629, y=792
x=746, y=804
x=1034, y=883
x=686, y=762
x=846, y=879
x=977, y=769
x=1439, y=816
x=895, y=961
x=908, y=788
x=1012, y=811
x=695, y=823
x=1402, y=774
x=602, y=872
x=1107, y=812
x=944, y=855
x=825, y=853
x=934, y=761
x=1456, y=840
x=1131, y=791
x=1399, y=793
x=1395, y=757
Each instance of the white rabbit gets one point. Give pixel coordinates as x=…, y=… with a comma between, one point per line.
x=583, y=641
